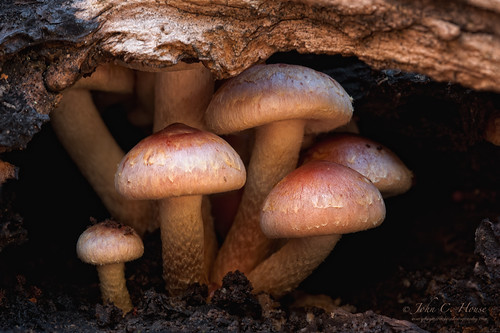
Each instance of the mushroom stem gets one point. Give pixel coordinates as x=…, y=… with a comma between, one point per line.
x=175, y=162
x=181, y=226
x=113, y=285
x=275, y=154
x=110, y=78
x=182, y=96
x=285, y=269
x=82, y=132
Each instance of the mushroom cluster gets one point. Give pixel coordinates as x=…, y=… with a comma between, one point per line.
x=282, y=102
x=296, y=202
x=338, y=189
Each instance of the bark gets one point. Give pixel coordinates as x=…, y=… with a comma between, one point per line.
x=46, y=46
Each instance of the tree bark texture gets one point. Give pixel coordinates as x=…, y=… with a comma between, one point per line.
x=45, y=46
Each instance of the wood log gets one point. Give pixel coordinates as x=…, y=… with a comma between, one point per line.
x=46, y=46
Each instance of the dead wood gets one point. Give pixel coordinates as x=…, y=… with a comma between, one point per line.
x=46, y=46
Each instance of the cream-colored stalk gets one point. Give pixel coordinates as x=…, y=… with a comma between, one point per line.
x=182, y=236
x=81, y=130
x=113, y=285
x=275, y=154
x=285, y=269
x=182, y=96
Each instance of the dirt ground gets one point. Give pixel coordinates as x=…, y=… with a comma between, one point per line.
x=434, y=264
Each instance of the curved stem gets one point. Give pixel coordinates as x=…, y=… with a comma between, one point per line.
x=181, y=227
x=81, y=130
x=274, y=155
x=285, y=269
x=113, y=286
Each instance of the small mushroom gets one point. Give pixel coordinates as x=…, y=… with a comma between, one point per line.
x=313, y=206
x=177, y=166
x=371, y=159
x=108, y=245
x=282, y=102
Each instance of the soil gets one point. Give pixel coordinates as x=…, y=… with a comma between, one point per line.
x=434, y=264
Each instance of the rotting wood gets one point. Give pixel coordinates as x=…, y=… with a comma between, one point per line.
x=456, y=41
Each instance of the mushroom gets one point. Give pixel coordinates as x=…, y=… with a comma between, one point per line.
x=177, y=166
x=283, y=102
x=371, y=159
x=108, y=245
x=313, y=206
x=182, y=96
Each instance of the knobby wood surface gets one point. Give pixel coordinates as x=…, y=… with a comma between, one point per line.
x=45, y=46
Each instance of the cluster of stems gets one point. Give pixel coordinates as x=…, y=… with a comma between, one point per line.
x=191, y=253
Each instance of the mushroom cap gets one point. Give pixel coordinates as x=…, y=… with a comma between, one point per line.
x=321, y=198
x=267, y=93
x=179, y=160
x=371, y=159
x=109, y=242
